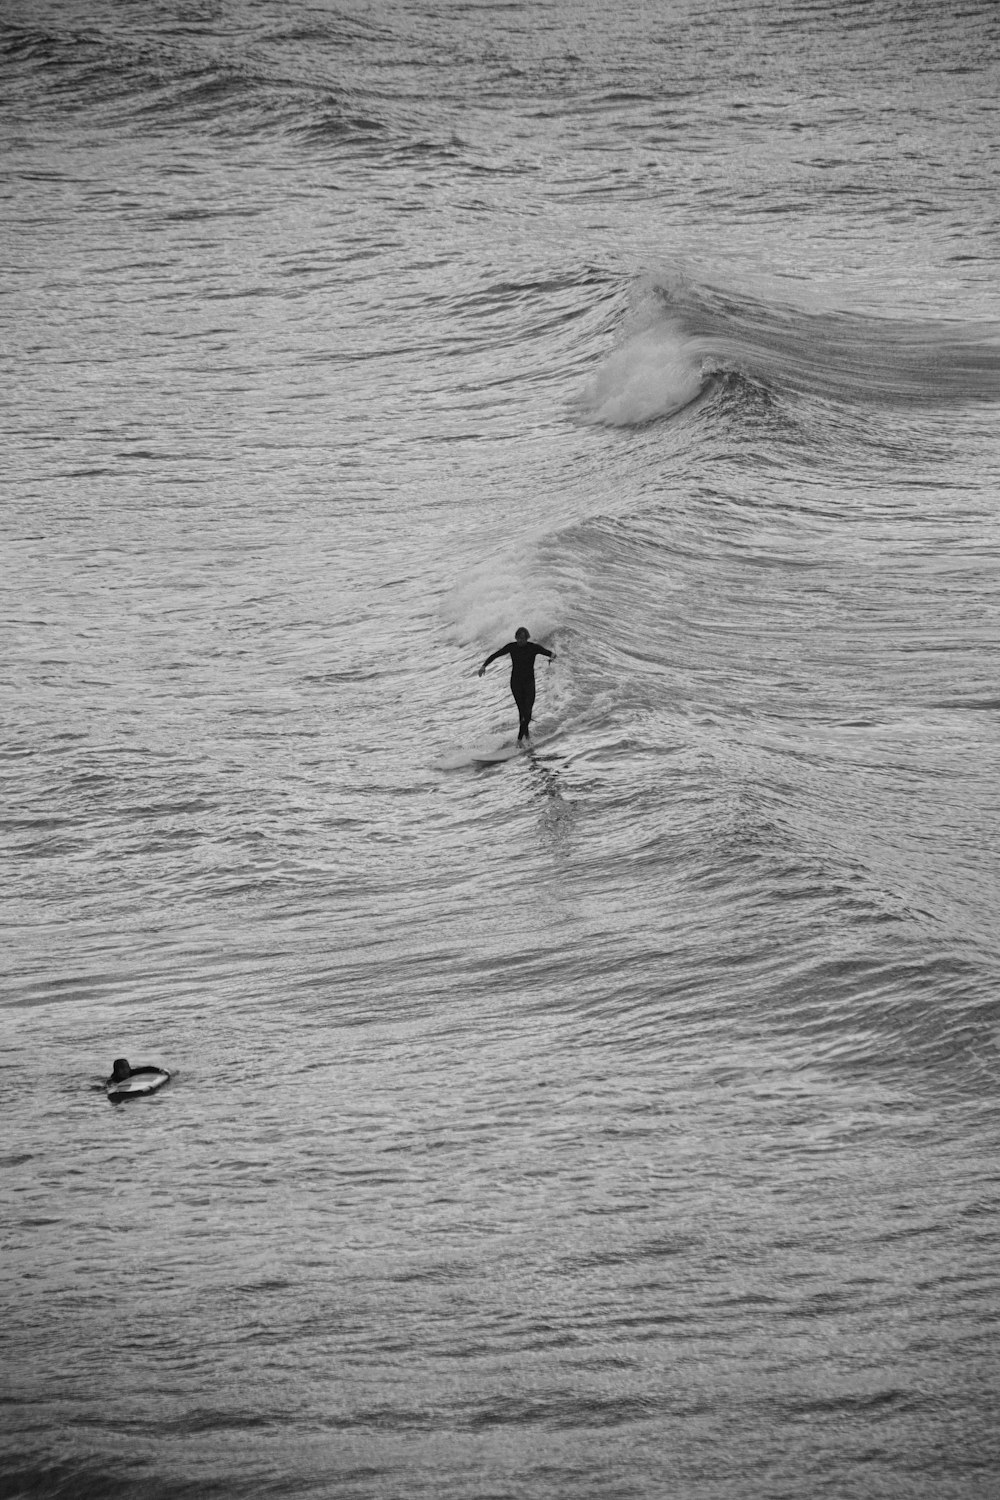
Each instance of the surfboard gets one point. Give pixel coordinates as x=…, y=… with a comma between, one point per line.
x=490, y=753
x=139, y=1082
x=497, y=757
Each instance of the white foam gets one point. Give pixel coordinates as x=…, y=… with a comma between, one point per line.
x=497, y=596
x=654, y=371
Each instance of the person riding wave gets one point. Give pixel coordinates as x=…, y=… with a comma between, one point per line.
x=522, y=652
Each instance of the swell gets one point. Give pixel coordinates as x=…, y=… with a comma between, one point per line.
x=757, y=634
x=162, y=83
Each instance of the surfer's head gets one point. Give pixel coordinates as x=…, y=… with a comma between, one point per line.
x=120, y=1069
x=520, y=634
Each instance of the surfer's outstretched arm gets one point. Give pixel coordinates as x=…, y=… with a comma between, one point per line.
x=502, y=652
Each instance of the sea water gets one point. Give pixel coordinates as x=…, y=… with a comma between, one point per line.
x=619, y=1119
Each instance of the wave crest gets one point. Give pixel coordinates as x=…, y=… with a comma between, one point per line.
x=679, y=339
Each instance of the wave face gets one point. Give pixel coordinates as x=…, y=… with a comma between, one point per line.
x=679, y=339
x=611, y=1116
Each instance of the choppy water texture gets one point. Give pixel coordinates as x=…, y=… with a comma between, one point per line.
x=618, y=1119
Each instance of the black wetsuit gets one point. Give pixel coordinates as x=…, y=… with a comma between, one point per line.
x=522, y=677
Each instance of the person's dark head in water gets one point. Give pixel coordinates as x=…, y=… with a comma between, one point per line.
x=120, y=1070
x=522, y=652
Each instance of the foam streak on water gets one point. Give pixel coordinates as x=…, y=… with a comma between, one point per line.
x=616, y=1116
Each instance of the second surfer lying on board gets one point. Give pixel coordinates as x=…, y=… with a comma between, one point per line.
x=522, y=653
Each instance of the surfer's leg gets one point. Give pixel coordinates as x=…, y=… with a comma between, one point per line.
x=524, y=697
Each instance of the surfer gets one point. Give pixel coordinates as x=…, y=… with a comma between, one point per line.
x=522, y=653
x=127, y=1082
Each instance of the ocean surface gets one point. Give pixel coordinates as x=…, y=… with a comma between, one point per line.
x=619, y=1119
